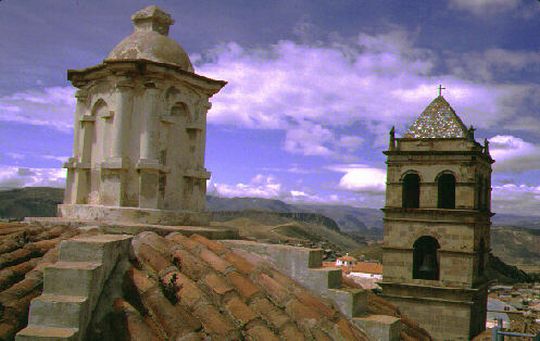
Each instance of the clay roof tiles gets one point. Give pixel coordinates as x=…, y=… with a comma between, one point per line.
x=217, y=293
x=24, y=251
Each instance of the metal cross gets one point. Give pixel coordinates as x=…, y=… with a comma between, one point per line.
x=441, y=89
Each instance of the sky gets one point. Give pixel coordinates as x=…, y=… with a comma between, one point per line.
x=313, y=88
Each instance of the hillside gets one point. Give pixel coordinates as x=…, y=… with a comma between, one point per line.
x=30, y=202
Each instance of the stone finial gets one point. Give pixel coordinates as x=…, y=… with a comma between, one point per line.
x=392, y=144
x=486, y=146
x=152, y=18
x=470, y=133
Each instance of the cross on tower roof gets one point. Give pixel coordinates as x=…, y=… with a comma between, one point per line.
x=441, y=89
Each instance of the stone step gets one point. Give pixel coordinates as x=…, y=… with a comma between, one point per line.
x=351, y=302
x=320, y=280
x=72, y=278
x=40, y=333
x=93, y=248
x=64, y=311
x=380, y=327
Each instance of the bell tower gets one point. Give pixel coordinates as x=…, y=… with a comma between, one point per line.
x=437, y=221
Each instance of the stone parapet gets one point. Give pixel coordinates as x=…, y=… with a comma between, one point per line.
x=98, y=213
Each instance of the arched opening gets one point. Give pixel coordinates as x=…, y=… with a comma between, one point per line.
x=411, y=191
x=179, y=109
x=425, y=258
x=447, y=191
x=481, y=257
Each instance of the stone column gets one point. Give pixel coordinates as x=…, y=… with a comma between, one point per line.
x=76, y=175
x=114, y=168
x=148, y=164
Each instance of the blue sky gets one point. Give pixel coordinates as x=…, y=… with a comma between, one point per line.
x=314, y=87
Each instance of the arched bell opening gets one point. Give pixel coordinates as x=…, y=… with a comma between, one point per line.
x=446, y=185
x=425, y=258
x=411, y=191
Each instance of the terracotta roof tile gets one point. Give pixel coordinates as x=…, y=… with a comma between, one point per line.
x=302, y=314
x=291, y=333
x=210, y=244
x=190, y=265
x=245, y=287
x=213, y=321
x=187, y=243
x=188, y=292
x=261, y=333
x=24, y=251
x=367, y=267
x=240, y=263
x=277, y=292
x=217, y=284
x=316, y=304
x=240, y=311
x=270, y=313
x=215, y=261
x=134, y=326
x=230, y=296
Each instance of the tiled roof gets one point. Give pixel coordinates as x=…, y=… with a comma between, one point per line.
x=24, y=251
x=438, y=120
x=196, y=288
x=410, y=331
x=365, y=267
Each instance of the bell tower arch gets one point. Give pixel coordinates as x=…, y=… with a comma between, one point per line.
x=437, y=220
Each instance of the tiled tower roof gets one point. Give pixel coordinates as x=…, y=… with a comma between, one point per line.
x=438, y=120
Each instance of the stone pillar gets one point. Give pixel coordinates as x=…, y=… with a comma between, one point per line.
x=73, y=176
x=113, y=168
x=148, y=165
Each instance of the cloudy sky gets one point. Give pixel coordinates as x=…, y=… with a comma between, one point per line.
x=314, y=87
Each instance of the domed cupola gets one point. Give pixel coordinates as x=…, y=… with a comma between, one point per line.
x=150, y=41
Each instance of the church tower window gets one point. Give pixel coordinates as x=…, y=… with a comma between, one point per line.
x=446, y=184
x=411, y=191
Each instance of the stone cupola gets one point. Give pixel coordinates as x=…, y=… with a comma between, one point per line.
x=140, y=132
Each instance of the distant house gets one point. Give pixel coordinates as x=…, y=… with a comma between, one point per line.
x=346, y=261
x=496, y=309
x=367, y=270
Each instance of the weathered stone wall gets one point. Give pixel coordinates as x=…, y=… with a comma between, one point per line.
x=452, y=307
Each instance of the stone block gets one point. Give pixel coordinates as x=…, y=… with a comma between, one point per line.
x=351, y=302
x=380, y=327
x=59, y=311
x=40, y=333
x=321, y=279
x=103, y=248
x=72, y=278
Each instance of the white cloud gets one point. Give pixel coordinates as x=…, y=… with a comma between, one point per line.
x=516, y=199
x=361, y=178
x=51, y=107
x=485, y=7
x=514, y=154
x=312, y=91
x=260, y=186
x=268, y=187
x=14, y=177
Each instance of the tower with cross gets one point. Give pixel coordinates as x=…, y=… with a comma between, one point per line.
x=437, y=223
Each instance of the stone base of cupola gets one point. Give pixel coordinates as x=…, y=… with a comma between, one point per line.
x=132, y=215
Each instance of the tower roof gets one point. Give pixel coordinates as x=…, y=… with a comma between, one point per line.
x=438, y=120
x=150, y=40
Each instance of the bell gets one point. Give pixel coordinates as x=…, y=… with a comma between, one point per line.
x=428, y=264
